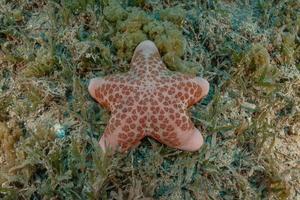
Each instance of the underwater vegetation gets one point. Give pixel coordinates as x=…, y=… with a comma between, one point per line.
x=50, y=126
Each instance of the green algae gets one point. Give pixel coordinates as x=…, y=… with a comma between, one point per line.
x=136, y=26
x=114, y=12
x=175, y=15
x=49, y=50
x=288, y=48
x=135, y=21
x=8, y=138
x=126, y=43
x=170, y=40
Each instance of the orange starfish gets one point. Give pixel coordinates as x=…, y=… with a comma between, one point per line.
x=149, y=100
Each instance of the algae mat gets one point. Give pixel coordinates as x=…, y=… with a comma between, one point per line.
x=50, y=126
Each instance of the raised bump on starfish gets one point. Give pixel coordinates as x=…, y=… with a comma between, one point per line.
x=149, y=100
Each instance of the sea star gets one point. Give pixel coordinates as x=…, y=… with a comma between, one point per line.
x=149, y=100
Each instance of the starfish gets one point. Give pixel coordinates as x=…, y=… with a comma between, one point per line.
x=149, y=100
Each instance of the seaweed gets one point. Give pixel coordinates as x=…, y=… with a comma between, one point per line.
x=50, y=126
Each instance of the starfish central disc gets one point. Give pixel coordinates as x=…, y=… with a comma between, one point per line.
x=149, y=100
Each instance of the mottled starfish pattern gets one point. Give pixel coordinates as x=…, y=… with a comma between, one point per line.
x=149, y=100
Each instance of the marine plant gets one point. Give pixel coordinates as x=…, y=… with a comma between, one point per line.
x=49, y=125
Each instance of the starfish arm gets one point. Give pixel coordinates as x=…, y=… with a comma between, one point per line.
x=200, y=90
x=122, y=132
x=191, y=90
x=109, y=91
x=192, y=141
x=175, y=129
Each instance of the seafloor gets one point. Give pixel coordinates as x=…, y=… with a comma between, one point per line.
x=249, y=50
